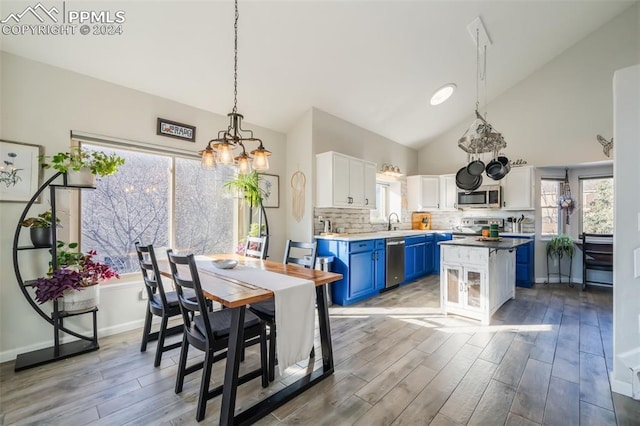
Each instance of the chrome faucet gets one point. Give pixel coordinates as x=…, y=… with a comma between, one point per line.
x=397, y=218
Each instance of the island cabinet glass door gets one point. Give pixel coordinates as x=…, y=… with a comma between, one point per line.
x=464, y=287
x=453, y=277
x=473, y=285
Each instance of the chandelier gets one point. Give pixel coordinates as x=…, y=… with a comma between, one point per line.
x=220, y=150
x=481, y=137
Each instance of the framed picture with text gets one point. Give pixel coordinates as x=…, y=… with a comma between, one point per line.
x=19, y=171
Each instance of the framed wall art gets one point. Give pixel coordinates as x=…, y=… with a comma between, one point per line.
x=271, y=186
x=19, y=171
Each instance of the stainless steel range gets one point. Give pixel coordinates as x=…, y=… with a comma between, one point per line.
x=473, y=225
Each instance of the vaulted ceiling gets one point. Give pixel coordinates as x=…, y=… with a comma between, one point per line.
x=373, y=63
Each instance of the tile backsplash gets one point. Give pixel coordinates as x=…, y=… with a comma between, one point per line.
x=356, y=221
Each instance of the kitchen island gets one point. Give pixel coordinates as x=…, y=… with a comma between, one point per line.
x=477, y=277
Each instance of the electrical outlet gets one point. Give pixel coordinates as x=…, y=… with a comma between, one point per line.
x=143, y=295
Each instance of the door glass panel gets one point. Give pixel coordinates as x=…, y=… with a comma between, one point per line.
x=453, y=280
x=473, y=289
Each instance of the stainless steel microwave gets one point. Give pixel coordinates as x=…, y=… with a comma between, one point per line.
x=483, y=197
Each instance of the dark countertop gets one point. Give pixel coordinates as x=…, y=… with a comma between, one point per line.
x=504, y=244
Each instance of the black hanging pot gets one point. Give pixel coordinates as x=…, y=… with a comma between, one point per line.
x=476, y=167
x=467, y=181
x=505, y=163
x=498, y=168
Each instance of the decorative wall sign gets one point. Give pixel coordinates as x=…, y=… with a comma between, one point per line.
x=271, y=186
x=18, y=171
x=176, y=130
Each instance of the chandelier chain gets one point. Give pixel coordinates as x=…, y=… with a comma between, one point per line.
x=477, y=68
x=235, y=61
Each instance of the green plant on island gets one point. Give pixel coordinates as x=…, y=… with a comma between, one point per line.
x=98, y=162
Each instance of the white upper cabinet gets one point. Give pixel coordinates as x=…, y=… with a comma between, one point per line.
x=423, y=193
x=448, y=192
x=370, y=185
x=518, y=189
x=344, y=181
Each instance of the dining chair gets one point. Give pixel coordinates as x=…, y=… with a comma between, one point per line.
x=159, y=303
x=209, y=332
x=256, y=247
x=303, y=254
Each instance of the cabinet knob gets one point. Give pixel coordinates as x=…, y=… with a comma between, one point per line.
x=366, y=201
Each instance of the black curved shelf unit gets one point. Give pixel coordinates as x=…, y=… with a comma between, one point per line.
x=58, y=351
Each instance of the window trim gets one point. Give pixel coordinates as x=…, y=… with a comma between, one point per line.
x=75, y=203
x=561, y=218
x=582, y=178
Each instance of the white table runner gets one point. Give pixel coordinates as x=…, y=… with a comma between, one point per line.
x=295, y=308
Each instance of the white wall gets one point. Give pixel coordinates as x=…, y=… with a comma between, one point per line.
x=626, y=294
x=331, y=133
x=317, y=131
x=300, y=159
x=40, y=105
x=553, y=116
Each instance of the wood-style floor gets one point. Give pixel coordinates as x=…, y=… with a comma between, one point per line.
x=543, y=360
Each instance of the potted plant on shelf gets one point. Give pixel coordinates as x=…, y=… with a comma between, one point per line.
x=82, y=166
x=74, y=280
x=40, y=229
x=561, y=246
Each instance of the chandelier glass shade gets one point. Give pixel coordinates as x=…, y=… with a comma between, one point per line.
x=221, y=149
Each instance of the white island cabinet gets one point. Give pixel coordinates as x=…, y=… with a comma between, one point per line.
x=476, y=278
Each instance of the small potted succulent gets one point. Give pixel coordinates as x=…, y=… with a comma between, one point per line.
x=40, y=229
x=74, y=280
x=82, y=166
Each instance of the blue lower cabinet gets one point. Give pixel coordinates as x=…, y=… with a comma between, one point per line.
x=436, y=251
x=429, y=257
x=414, y=258
x=379, y=264
x=362, y=265
x=525, y=263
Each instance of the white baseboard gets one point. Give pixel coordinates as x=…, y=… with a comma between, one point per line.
x=618, y=386
x=10, y=355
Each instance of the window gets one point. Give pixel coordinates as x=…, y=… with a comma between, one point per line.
x=160, y=199
x=550, y=190
x=382, y=203
x=597, y=205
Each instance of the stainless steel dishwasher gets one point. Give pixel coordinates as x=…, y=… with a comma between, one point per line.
x=395, y=262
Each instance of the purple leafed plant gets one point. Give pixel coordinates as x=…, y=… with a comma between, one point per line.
x=78, y=271
x=54, y=286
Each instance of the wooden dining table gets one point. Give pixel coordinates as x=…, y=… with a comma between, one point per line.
x=236, y=295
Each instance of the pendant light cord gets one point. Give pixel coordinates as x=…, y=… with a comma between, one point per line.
x=235, y=61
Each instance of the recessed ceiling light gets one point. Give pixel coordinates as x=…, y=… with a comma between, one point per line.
x=443, y=93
